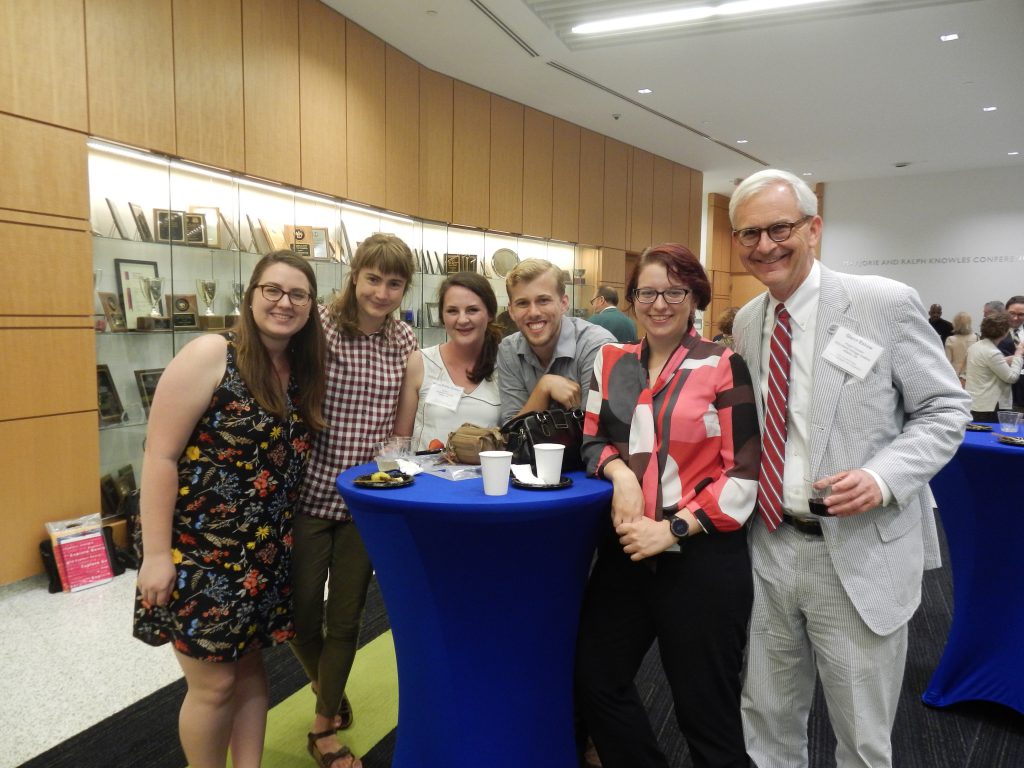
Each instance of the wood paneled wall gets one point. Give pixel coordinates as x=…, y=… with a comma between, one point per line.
x=287, y=90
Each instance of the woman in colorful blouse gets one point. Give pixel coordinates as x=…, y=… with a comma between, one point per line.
x=367, y=353
x=671, y=422
x=226, y=448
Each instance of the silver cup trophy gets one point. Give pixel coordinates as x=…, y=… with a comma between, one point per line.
x=153, y=289
x=237, y=292
x=208, y=290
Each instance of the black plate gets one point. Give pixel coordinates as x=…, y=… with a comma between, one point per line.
x=565, y=482
x=978, y=428
x=364, y=481
x=1007, y=440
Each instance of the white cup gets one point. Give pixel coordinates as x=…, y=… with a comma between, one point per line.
x=1009, y=421
x=495, y=467
x=549, y=462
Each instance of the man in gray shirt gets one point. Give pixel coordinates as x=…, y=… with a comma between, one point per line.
x=551, y=358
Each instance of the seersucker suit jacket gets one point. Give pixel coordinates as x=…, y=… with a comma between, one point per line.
x=905, y=420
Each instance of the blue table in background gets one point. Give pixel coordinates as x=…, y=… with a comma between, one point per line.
x=483, y=594
x=979, y=498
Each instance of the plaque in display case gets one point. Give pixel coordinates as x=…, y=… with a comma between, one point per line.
x=169, y=226
x=211, y=224
x=195, y=230
x=131, y=274
x=141, y=224
x=184, y=311
x=118, y=224
x=108, y=402
x=112, y=311
x=146, y=380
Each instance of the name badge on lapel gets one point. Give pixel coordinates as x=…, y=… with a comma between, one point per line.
x=852, y=353
x=444, y=395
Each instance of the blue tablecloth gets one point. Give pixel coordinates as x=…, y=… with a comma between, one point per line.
x=483, y=594
x=979, y=498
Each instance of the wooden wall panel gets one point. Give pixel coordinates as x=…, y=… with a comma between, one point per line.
x=208, y=92
x=661, y=202
x=680, y=204
x=365, y=65
x=744, y=288
x=641, y=200
x=46, y=271
x=33, y=158
x=591, y=187
x=506, y=171
x=131, y=72
x=402, y=133
x=613, y=266
x=30, y=450
x=471, y=156
x=42, y=61
x=538, y=148
x=29, y=387
x=270, y=47
x=696, y=208
x=565, y=182
x=436, y=137
x=616, y=170
x=719, y=234
x=322, y=99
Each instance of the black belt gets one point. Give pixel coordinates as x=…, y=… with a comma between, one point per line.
x=810, y=527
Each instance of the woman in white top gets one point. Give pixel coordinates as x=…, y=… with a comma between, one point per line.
x=455, y=382
x=959, y=342
x=989, y=376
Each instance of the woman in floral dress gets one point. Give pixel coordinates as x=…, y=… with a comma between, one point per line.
x=228, y=440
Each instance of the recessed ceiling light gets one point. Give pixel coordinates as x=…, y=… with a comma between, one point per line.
x=683, y=15
x=645, y=90
x=742, y=141
x=807, y=173
x=949, y=38
x=1013, y=154
x=989, y=109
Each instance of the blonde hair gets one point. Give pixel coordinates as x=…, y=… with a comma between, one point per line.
x=529, y=270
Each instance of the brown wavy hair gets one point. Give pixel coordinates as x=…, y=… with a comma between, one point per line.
x=388, y=254
x=479, y=285
x=305, y=350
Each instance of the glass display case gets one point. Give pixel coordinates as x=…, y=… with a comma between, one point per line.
x=174, y=244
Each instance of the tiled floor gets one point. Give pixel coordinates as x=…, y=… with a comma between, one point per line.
x=69, y=660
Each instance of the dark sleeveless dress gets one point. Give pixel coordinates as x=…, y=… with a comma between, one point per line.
x=238, y=484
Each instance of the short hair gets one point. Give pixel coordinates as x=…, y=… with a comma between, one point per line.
x=961, y=323
x=806, y=200
x=609, y=294
x=725, y=320
x=993, y=306
x=935, y=310
x=681, y=264
x=528, y=270
x=995, y=326
x=1014, y=300
x=387, y=253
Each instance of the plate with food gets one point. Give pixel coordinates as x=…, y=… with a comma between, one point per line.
x=978, y=428
x=381, y=481
x=1007, y=440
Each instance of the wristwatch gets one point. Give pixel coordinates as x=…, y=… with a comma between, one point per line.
x=679, y=527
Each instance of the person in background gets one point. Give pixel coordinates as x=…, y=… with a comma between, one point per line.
x=724, y=324
x=991, y=307
x=942, y=326
x=367, y=352
x=551, y=356
x=228, y=439
x=607, y=314
x=854, y=395
x=958, y=343
x=989, y=374
x=671, y=423
x=1015, y=314
x=453, y=383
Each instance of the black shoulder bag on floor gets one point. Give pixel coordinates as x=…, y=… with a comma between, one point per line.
x=554, y=425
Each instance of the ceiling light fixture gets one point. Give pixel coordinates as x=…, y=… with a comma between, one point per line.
x=949, y=38
x=683, y=15
x=645, y=91
x=742, y=141
x=806, y=173
x=1013, y=154
x=989, y=109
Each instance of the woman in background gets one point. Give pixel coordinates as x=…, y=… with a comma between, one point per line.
x=455, y=382
x=671, y=422
x=226, y=447
x=724, y=324
x=367, y=350
x=989, y=374
x=958, y=343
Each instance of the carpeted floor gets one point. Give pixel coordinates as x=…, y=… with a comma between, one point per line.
x=966, y=736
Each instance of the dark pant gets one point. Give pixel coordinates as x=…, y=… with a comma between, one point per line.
x=697, y=605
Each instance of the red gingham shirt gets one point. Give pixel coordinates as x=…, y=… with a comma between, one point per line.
x=364, y=379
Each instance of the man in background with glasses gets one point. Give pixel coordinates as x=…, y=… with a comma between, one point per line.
x=1015, y=311
x=607, y=314
x=855, y=398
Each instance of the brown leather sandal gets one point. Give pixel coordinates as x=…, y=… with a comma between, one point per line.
x=345, y=716
x=326, y=759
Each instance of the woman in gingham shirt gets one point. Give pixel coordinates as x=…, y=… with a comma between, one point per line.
x=367, y=350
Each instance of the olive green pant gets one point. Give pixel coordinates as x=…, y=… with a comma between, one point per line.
x=332, y=553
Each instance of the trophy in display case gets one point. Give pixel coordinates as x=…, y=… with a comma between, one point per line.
x=153, y=291
x=207, y=289
x=237, y=292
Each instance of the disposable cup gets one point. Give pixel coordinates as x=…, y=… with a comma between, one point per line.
x=495, y=467
x=549, y=462
x=1009, y=421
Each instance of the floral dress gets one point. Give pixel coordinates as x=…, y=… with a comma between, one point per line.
x=238, y=482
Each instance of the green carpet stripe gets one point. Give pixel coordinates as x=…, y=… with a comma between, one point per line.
x=373, y=690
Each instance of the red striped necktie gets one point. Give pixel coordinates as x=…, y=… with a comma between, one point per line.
x=773, y=441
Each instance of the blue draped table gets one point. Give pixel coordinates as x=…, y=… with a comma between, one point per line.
x=978, y=495
x=483, y=594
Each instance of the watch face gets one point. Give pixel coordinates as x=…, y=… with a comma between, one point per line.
x=680, y=529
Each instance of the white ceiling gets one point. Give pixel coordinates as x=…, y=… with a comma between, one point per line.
x=841, y=96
